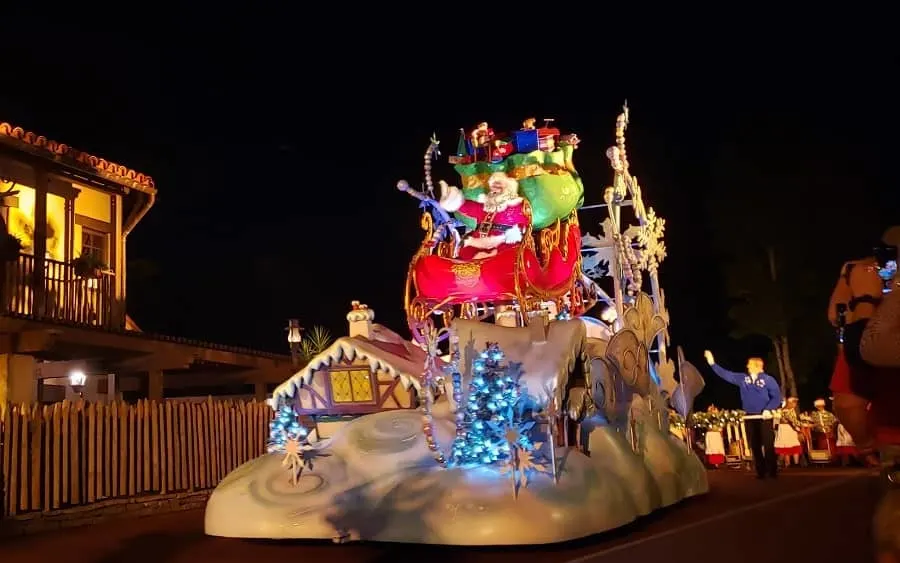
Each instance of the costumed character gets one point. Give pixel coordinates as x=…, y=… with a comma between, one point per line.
x=715, y=443
x=823, y=425
x=787, y=437
x=499, y=213
x=856, y=296
x=880, y=348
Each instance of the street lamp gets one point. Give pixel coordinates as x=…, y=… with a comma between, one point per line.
x=77, y=379
x=295, y=337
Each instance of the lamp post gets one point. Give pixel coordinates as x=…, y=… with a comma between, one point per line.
x=77, y=379
x=295, y=337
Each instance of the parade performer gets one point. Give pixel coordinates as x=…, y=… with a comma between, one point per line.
x=499, y=213
x=845, y=448
x=715, y=443
x=823, y=423
x=787, y=437
x=760, y=396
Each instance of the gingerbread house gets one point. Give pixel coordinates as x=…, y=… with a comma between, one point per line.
x=372, y=369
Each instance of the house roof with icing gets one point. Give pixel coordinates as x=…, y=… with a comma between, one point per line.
x=63, y=153
x=386, y=350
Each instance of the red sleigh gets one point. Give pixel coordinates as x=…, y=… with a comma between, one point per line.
x=545, y=266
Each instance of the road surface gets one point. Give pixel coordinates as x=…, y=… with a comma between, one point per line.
x=820, y=515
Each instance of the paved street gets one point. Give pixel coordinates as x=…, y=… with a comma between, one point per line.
x=820, y=515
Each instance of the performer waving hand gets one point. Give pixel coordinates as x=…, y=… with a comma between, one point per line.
x=760, y=396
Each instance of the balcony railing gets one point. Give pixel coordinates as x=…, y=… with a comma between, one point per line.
x=58, y=295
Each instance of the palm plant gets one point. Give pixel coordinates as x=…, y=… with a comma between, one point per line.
x=314, y=342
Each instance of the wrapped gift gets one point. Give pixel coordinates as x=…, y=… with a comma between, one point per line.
x=547, y=137
x=526, y=140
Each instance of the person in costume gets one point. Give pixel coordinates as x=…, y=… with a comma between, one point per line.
x=844, y=446
x=823, y=426
x=787, y=437
x=856, y=298
x=499, y=213
x=760, y=396
x=880, y=348
x=714, y=441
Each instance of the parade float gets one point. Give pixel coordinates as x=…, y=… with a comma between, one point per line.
x=532, y=403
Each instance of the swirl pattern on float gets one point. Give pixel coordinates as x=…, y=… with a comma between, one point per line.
x=273, y=487
x=390, y=434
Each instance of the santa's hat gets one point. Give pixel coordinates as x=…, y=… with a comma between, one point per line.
x=819, y=403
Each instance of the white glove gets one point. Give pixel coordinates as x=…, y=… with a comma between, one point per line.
x=512, y=235
x=709, y=357
x=767, y=415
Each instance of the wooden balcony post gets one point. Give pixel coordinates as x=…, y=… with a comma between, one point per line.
x=40, y=242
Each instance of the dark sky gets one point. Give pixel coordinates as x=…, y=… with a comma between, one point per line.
x=276, y=156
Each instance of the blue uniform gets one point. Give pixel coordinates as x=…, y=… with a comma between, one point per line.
x=757, y=395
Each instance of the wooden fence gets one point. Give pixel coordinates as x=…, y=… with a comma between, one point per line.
x=76, y=453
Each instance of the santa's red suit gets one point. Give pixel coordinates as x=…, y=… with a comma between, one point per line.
x=500, y=217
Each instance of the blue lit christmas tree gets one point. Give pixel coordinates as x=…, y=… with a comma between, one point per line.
x=495, y=404
x=285, y=426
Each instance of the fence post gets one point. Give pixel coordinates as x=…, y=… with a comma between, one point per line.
x=3, y=409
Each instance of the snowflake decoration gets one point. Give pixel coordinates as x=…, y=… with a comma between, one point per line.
x=299, y=455
x=650, y=240
x=523, y=459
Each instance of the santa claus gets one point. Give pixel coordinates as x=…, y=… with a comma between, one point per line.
x=499, y=213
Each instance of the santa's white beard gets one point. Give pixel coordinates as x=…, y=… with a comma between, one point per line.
x=495, y=203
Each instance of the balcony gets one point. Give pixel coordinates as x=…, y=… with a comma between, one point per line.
x=59, y=295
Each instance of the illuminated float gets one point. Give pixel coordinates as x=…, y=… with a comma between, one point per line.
x=542, y=426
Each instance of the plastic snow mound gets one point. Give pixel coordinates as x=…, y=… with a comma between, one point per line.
x=381, y=483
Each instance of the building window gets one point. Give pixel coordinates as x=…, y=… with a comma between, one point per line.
x=351, y=386
x=94, y=244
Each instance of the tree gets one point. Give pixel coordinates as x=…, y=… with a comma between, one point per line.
x=314, y=342
x=494, y=404
x=758, y=306
x=780, y=246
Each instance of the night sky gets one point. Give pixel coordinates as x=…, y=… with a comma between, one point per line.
x=276, y=161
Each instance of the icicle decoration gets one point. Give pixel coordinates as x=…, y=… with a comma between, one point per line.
x=432, y=337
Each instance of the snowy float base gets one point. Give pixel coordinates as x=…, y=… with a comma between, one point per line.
x=380, y=483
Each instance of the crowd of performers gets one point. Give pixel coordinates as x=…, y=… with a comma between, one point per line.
x=801, y=437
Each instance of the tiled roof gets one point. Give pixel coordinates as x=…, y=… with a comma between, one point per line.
x=66, y=154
